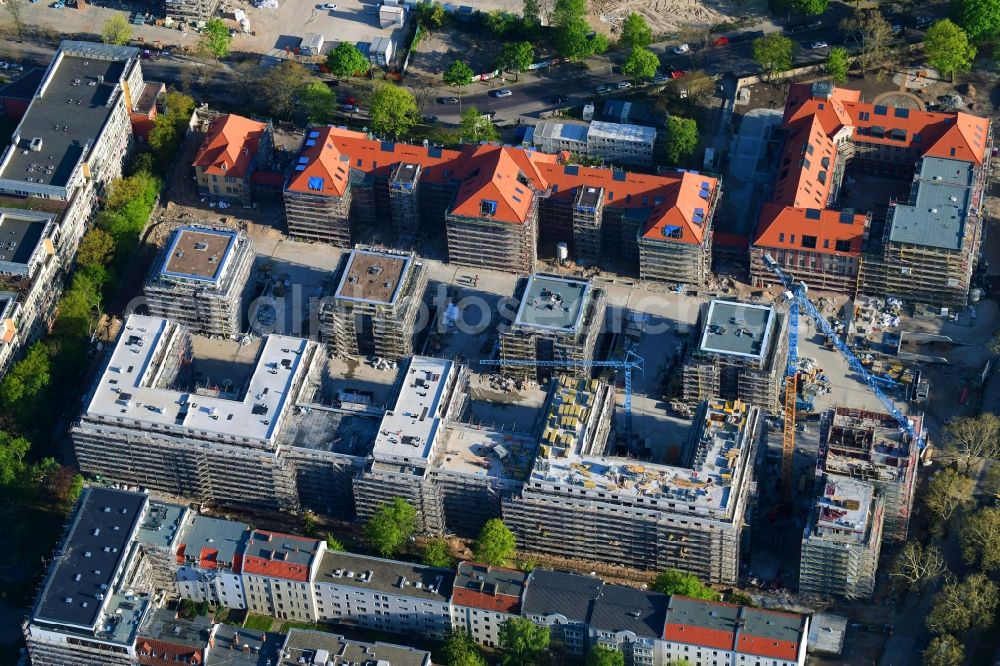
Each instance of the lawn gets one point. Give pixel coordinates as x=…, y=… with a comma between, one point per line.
x=258, y=622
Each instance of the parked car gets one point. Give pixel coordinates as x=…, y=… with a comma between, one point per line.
x=661, y=78
x=818, y=45
x=721, y=41
x=681, y=49
x=14, y=67
x=330, y=6
x=622, y=85
x=601, y=89
x=447, y=100
x=503, y=92
x=350, y=108
x=677, y=73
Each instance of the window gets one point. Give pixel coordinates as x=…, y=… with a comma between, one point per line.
x=781, y=238
x=809, y=241
x=792, y=239
x=843, y=246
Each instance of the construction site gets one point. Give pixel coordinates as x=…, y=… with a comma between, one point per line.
x=557, y=320
x=739, y=353
x=374, y=308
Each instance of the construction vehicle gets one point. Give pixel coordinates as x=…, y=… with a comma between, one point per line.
x=797, y=295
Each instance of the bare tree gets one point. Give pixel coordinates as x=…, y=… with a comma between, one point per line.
x=971, y=439
x=946, y=493
x=14, y=8
x=917, y=566
x=875, y=35
x=247, y=76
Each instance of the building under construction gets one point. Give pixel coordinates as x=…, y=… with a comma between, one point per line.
x=872, y=447
x=740, y=353
x=842, y=540
x=557, y=319
x=581, y=503
x=200, y=280
x=375, y=306
x=190, y=11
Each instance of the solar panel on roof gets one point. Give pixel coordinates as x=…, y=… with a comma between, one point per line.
x=316, y=183
x=303, y=160
x=388, y=146
x=618, y=175
x=705, y=185
x=571, y=170
x=300, y=167
x=314, y=134
x=812, y=213
x=310, y=143
x=671, y=231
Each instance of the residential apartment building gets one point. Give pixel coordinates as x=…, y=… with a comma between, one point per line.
x=739, y=353
x=375, y=306
x=277, y=571
x=30, y=273
x=147, y=421
x=233, y=149
x=206, y=567
x=76, y=135
x=614, y=142
x=842, y=539
x=200, y=280
x=711, y=633
x=485, y=597
x=629, y=621
x=561, y=601
x=496, y=205
x=580, y=502
x=871, y=447
x=321, y=648
x=558, y=319
x=924, y=248
x=85, y=612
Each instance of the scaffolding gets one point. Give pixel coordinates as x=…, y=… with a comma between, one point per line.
x=488, y=243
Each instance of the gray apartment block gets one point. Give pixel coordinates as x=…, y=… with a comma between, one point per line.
x=842, y=540
x=200, y=280
x=615, y=142
x=557, y=319
x=375, y=308
x=303, y=646
x=581, y=503
x=739, y=353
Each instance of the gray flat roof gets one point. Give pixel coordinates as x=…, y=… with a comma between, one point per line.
x=491, y=581
x=553, y=303
x=236, y=646
x=19, y=237
x=940, y=205
x=98, y=539
x=203, y=533
x=198, y=254
x=372, y=276
x=67, y=116
x=408, y=431
x=740, y=329
x=560, y=593
x=372, y=573
x=320, y=647
x=702, y=614
x=620, y=608
x=162, y=524
x=163, y=624
x=773, y=625
x=287, y=548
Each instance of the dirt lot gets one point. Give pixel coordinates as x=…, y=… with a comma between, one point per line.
x=672, y=16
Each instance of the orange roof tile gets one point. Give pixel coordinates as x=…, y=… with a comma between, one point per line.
x=784, y=226
x=695, y=635
x=230, y=146
x=491, y=175
x=767, y=647
x=500, y=603
x=965, y=139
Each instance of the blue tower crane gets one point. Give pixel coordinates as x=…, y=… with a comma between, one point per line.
x=800, y=300
x=631, y=362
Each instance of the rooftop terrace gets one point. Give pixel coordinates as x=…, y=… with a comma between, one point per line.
x=739, y=329
x=127, y=388
x=553, y=303
x=371, y=276
x=198, y=254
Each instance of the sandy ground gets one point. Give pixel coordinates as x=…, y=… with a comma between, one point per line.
x=671, y=16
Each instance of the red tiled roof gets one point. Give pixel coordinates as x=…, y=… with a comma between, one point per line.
x=490, y=172
x=230, y=146
x=273, y=565
x=180, y=553
x=768, y=647
x=208, y=558
x=167, y=653
x=694, y=635
x=501, y=603
x=784, y=226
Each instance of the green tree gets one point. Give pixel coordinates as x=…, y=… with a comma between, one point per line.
x=810, y=7
x=476, y=127
x=837, y=64
x=876, y=39
x=436, y=554
x=740, y=598
x=458, y=75
x=215, y=38
x=96, y=247
x=949, y=52
x=390, y=527
x=14, y=8
x=944, y=650
x=460, y=650
x=12, y=452
x=116, y=30
x=979, y=18
x=309, y=523
x=495, y=545
x=681, y=139
x=346, y=60
x=672, y=581
x=333, y=544
x=946, y=493
x=641, y=64
x=393, y=111
x=569, y=12
x=531, y=12
x=522, y=641
x=202, y=608
x=573, y=40
x=500, y=22
x=430, y=16
x=23, y=389
x=635, y=32
x=516, y=56
x=283, y=84
x=318, y=101
x=980, y=538
x=773, y=52
x=604, y=656
x=187, y=609
x=961, y=606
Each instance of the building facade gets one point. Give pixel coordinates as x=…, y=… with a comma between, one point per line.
x=200, y=280
x=614, y=142
x=233, y=149
x=485, y=597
